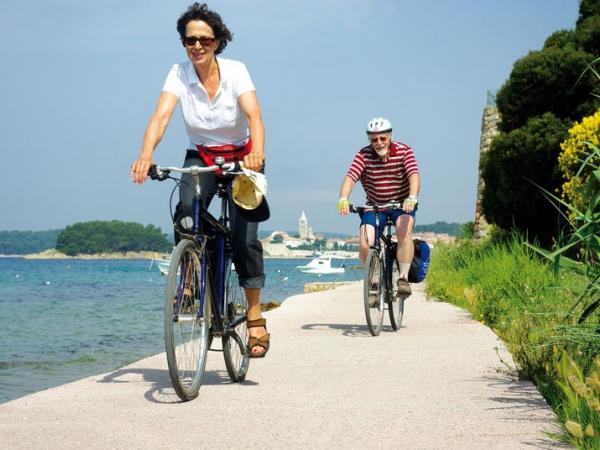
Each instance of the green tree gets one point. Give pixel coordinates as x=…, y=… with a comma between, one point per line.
x=546, y=91
x=587, y=9
x=588, y=35
x=467, y=230
x=515, y=160
x=23, y=242
x=277, y=239
x=547, y=81
x=451, y=229
x=114, y=236
x=561, y=39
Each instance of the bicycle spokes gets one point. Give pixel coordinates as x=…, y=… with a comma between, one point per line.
x=374, y=289
x=187, y=323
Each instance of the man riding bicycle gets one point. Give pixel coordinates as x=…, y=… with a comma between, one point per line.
x=388, y=172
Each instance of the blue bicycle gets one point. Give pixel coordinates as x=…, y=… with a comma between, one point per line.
x=382, y=274
x=203, y=297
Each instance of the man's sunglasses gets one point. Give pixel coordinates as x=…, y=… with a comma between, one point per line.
x=190, y=41
x=375, y=139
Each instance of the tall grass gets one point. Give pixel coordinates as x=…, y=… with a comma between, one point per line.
x=544, y=304
x=507, y=286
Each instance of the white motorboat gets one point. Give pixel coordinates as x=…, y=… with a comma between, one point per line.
x=320, y=265
x=162, y=264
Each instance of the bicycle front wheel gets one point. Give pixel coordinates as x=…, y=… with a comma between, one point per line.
x=395, y=303
x=235, y=349
x=374, y=292
x=187, y=319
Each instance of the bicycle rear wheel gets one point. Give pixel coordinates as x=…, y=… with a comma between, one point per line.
x=235, y=349
x=187, y=319
x=374, y=292
x=395, y=303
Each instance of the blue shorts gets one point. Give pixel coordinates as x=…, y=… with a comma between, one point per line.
x=368, y=217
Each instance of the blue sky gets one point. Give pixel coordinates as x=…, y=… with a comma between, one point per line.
x=81, y=78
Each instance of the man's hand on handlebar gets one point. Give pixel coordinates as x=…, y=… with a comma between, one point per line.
x=139, y=170
x=343, y=206
x=409, y=203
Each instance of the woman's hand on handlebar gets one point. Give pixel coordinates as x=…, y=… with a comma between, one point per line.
x=254, y=161
x=139, y=170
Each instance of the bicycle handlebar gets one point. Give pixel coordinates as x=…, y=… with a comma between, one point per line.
x=162, y=173
x=360, y=209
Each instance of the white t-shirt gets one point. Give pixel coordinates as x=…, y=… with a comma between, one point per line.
x=217, y=122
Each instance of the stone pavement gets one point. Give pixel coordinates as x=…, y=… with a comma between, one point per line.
x=438, y=383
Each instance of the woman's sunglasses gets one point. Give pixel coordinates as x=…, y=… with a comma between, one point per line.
x=190, y=41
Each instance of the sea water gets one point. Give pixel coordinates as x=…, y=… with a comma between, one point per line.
x=62, y=320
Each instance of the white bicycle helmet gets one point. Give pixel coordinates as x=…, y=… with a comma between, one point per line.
x=379, y=125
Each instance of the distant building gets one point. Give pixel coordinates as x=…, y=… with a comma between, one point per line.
x=292, y=242
x=304, y=230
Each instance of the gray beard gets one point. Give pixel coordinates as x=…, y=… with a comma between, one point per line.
x=382, y=152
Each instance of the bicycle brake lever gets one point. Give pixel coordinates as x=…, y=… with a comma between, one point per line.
x=152, y=172
x=156, y=174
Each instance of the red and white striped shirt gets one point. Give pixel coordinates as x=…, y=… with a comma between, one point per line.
x=384, y=181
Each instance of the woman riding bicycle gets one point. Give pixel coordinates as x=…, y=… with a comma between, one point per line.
x=388, y=173
x=222, y=118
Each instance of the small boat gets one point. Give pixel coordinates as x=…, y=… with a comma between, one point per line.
x=162, y=264
x=320, y=265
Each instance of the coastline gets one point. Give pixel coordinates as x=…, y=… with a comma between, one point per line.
x=54, y=254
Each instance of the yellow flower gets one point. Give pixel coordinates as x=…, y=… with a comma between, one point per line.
x=574, y=151
x=574, y=428
x=594, y=403
x=580, y=388
x=593, y=381
x=589, y=430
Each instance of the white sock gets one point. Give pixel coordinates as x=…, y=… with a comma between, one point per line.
x=404, y=268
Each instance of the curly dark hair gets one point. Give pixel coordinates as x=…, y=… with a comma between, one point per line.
x=201, y=12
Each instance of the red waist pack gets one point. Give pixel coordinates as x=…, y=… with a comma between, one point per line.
x=229, y=152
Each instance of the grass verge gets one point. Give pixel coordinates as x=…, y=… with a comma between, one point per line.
x=530, y=307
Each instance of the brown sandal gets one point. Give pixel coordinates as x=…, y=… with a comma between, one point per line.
x=262, y=342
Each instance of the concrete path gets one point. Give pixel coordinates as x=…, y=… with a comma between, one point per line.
x=438, y=383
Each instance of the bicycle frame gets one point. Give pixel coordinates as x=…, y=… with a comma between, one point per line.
x=389, y=250
x=222, y=257
x=201, y=272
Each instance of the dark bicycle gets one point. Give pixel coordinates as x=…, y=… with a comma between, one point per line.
x=382, y=274
x=203, y=297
